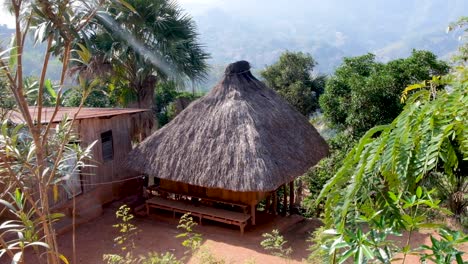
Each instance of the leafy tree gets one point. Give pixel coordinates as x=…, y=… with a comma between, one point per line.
x=166, y=96
x=150, y=43
x=166, y=93
x=364, y=93
x=291, y=76
x=96, y=98
x=390, y=164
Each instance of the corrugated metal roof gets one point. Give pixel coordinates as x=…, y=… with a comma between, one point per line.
x=85, y=113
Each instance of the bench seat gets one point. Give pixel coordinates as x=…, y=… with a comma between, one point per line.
x=200, y=211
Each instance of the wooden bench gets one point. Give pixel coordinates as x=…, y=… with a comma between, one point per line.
x=215, y=214
x=157, y=190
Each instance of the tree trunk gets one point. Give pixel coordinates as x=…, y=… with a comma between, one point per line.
x=145, y=100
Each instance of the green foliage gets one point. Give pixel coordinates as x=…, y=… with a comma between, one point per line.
x=380, y=180
x=166, y=95
x=318, y=175
x=150, y=258
x=31, y=86
x=364, y=93
x=96, y=98
x=444, y=250
x=319, y=253
x=37, y=158
x=126, y=229
x=7, y=102
x=291, y=76
x=398, y=213
x=152, y=42
x=18, y=153
x=125, y=239
x=275, y=243
x=192, y=241
x=427, y=135
x=452, y=189
x=23, y=229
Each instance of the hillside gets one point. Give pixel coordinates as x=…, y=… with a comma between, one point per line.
x=330, y=30
x=260, y=31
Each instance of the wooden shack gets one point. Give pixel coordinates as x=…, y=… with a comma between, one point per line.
x=238, y=144
x=115, y=132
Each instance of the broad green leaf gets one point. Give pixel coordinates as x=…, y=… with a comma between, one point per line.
x=419, y=192
x=50, y=89
x=392, y=196
x=367, y=252
x=346, y=255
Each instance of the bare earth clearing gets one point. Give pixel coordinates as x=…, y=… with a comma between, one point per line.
x=158, y=231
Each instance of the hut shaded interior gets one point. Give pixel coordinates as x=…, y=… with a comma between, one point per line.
x=212, y=193
x=239, y=143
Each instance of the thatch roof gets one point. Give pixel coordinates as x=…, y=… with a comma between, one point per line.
x=241, y=136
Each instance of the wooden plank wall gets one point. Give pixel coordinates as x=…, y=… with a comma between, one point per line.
x=105, y=172
x=104, y=179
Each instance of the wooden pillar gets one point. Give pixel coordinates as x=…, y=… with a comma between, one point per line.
x=275, y=202
x=285, y=200
x=299, y=194
x=253, y=209
x=291, y=197
x=268, y=203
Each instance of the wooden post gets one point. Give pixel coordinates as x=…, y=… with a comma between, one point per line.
x=291, y=197
x=298, y=193
x=275, y=202
x=253, y=209
x=285, y=201
x=268, y=203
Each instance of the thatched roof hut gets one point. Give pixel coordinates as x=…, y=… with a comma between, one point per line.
x=240, y=137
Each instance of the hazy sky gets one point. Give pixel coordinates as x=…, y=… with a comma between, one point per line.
x=5, y=17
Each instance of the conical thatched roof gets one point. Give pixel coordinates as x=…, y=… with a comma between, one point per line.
x=241, y=136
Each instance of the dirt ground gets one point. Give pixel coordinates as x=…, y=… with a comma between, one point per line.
x=158, y=231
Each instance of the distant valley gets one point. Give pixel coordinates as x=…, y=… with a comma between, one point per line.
x=259, y=31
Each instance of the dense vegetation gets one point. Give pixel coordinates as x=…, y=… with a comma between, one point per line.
x=413, y=169
x=363, y=93
x=292, y=78
x=405, y=167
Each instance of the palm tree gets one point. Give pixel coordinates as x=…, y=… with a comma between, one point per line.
x=148, y=42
